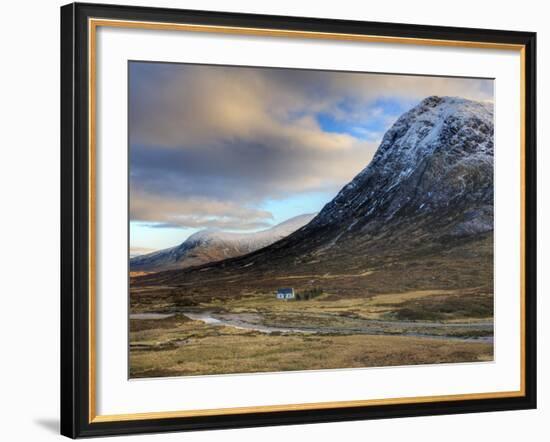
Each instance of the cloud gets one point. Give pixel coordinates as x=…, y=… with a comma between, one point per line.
x=196, y=213
x=209, y=144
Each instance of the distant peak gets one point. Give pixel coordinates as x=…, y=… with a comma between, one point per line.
x=215, y=244
x=202, y=234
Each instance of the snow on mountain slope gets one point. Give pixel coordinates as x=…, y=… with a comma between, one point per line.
x=214, y=245
x=437, y=157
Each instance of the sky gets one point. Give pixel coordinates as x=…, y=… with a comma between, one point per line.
x=245, y=148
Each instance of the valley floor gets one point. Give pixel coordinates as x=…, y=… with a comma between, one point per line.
x=257, y=333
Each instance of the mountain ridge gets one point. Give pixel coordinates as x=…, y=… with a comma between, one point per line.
x=211, y=245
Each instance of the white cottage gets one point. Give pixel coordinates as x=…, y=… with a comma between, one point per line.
x=285, y=293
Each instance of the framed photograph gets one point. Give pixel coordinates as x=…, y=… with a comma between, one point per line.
x=277, y=220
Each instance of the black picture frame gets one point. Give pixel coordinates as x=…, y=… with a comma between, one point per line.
x=75, y=221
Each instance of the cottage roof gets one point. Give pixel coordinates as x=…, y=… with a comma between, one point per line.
x=285, y=290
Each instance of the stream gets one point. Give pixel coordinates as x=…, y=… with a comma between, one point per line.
x=252, y=321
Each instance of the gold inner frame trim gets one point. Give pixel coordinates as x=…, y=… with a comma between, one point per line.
x=93, y=24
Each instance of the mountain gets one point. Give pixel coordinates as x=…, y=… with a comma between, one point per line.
x=419, y=216
x=435, y=163
x=213, y=245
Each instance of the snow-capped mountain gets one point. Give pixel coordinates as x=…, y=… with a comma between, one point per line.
x=419, y=216
x=437, y=158
x=430, y=181
x=214, y=245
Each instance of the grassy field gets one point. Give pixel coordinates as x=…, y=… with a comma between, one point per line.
x=423, y=307
x=441, y=305
x=178, y=346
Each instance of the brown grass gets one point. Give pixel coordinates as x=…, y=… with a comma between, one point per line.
x=193, y=348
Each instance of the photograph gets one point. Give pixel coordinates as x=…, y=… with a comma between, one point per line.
x=285, y=219
x=280, y=220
